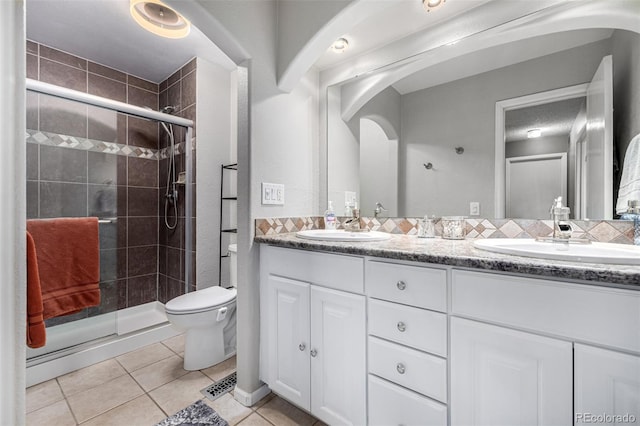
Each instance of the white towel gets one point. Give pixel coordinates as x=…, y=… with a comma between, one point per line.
x=630, y=180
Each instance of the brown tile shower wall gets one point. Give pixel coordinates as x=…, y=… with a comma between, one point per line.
x=179, y=91
x=63, y=181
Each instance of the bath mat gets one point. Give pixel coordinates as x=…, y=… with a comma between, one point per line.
x=197, y=414
x=220, y=387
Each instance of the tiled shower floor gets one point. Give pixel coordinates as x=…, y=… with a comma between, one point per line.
x=143, y=387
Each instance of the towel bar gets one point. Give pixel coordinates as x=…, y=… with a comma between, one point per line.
x=108, y=220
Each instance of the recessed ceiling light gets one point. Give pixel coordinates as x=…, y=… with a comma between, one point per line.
x=534, y=133
x=340, y=45
x=160, y=19
x=431, y=4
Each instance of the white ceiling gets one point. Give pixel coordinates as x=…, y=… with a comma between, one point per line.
x=393, y=23
x=554, y=119
x=103, y=31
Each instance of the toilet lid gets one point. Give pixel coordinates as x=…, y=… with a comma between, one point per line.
x=201, y=300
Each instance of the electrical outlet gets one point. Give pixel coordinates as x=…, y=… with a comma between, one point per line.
x=272, y=193
x=474, y=208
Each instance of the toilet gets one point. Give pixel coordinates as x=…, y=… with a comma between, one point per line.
x=208, y=318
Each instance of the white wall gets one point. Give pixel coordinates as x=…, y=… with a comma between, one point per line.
x=213, y=148
x=378, y=170
x=542, y=145
x=461, y=113
x=12, y=213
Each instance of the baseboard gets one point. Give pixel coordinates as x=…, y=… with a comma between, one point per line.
x=249, y=399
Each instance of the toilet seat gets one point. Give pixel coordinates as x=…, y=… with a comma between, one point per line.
x=203, y=300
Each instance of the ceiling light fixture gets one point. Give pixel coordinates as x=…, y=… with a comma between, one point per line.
x=340, y=45
x=534, y=133
x=160, y=19
x=431, y=4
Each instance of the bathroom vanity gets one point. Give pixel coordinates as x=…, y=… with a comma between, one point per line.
x=409, y=331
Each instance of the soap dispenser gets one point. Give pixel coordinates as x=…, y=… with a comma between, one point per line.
x=633, y=213
x=561, y=225
x=330, y=217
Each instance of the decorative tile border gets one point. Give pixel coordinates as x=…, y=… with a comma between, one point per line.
x=611, y=231
x=65, y=141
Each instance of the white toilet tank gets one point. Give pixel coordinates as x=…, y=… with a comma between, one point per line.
x=233, y=266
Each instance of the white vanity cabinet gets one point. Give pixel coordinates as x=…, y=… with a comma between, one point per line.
x=522, y=351
x=313, y=338
x=407, y=344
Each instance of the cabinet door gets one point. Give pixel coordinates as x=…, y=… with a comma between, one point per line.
x=506, y=377
x=338, y=359
x=607, y=383
x=287, y=317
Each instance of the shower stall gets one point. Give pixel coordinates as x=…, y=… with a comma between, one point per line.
x=132, y=168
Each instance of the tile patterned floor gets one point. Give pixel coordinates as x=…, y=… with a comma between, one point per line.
x=142, y=387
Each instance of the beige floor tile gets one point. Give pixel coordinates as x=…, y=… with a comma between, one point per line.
x=90, y=377
x=280, y=412
x=96, y=401
x=43, y=394
x=180, y=393
x=176, y=344
x=159, y=373
x=57, y=414
x=229, y=409
x=144, y=356
x=141, y=411
x=263, y=401
x=255, y=420
x=222, y=370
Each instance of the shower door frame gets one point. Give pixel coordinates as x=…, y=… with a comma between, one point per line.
x=85, y=98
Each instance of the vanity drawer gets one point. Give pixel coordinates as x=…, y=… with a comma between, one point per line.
x=409, y=285
x=337, y=271
x=390, y=404
x=408, y=367
x=418, y=328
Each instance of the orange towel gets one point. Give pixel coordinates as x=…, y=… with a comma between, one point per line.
x=36, y=335
x=68, y=253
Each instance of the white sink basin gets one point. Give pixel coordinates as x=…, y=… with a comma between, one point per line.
x=623, y=254
x=342, y=235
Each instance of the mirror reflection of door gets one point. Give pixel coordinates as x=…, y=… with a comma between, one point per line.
x=540, y=152
x=378, y=169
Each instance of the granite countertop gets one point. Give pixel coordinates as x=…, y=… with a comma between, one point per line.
x=462, y=253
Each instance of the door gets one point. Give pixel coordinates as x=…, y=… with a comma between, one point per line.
x=528, y=200
x=503, y=377
x=287, y=340
x=598, y=159
x=338, y=357
x=607, y=383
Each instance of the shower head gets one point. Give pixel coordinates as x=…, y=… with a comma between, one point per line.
x=169, y=109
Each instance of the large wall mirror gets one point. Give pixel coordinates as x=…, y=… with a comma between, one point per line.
x=508, y=126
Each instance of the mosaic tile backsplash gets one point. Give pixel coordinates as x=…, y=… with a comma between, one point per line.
x=610, y=231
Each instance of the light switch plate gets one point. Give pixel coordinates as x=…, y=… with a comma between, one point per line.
x=272, y=193
x=474, y=208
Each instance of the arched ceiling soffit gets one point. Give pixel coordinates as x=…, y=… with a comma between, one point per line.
x=336, y=26
x=386, y=126
x=212, y=28
x=565, y=17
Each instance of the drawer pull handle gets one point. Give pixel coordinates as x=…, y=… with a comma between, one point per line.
x=401, y=285
x=402, y=326
x=302, y=346
x=313, y=353
x=401, y=368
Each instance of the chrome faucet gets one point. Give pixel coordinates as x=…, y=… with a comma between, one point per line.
x=560, y=215
x=379, y=209
x=353, y=224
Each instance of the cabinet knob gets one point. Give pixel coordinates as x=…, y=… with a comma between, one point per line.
x=401, y=368
x=302, y=346
x=401, y=285
x=313, y=353
x=402, y=326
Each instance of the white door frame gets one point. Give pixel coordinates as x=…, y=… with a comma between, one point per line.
x=561, y=94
